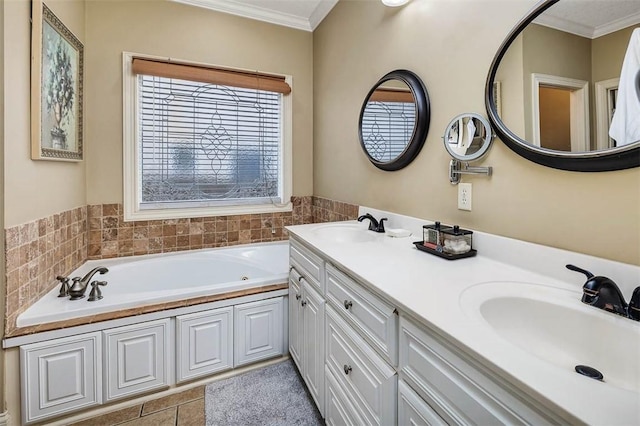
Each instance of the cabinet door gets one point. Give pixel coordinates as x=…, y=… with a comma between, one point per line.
x=258, y=331
x=136, y=359
x=204, y=343
x=60, y=376
x=313, y=347
x=295, y=323
x=412, y=410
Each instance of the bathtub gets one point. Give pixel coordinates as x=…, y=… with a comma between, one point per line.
x=160, y=278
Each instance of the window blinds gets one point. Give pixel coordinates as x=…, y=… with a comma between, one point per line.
x=207, y=143
x=387, y=127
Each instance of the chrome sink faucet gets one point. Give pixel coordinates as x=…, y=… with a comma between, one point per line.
x=79, y=285
x=374, y=225
x=603, y=293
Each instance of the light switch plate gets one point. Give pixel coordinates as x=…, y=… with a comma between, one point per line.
x=464, y=196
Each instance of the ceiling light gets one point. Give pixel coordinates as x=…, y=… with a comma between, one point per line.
x=395, y=3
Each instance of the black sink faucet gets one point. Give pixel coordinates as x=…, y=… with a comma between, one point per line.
x=374, y=225
x=603, y=293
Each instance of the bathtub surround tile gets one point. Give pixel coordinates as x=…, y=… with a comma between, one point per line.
x=36, y=252
x=106, y=225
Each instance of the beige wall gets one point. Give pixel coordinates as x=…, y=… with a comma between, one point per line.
x=451, y=44
x=509, y=74
x=188, y=33
x=570, y=57
x=34, y=189
x=607, y=54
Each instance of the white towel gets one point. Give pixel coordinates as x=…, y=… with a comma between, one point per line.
x=625, y=125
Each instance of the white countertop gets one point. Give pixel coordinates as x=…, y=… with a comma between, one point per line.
x=429, y=289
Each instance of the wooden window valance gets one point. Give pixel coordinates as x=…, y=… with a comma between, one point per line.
x=391, y=95
x=219, y=76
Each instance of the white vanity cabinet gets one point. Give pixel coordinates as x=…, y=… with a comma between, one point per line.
x=60, y=376
x=306, y=319
x=136, y=359
x=458, y=391
x=204, y=343
x=372, y=317
x=363, y=376
x=259, y=331
x=412, y=410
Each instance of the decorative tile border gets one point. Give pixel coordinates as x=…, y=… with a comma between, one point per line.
x=37, y=252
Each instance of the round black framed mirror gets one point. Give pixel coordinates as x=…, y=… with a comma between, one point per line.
x=394, y=120
x=584, y=66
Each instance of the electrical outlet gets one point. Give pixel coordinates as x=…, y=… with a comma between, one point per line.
x=464, y=196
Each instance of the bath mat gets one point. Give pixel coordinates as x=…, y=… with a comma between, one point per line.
x=272, y=395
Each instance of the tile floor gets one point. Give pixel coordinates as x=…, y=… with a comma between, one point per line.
x=180, y=409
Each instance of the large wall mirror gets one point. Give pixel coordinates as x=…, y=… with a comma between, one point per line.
x=558, y=81
x=394, y=120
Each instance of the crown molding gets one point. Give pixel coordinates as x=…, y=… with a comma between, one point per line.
x=267, y=15
x=586, y=30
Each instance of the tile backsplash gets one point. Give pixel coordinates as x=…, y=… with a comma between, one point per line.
x=38, y=251
x=110, y=236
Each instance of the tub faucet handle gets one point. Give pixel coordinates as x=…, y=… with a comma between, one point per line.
x=64, y=286
x=96, y=293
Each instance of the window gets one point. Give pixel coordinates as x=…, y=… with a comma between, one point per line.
x=204, y=141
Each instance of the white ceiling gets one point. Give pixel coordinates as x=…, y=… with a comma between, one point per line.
x=299, y=14
x=591, y=18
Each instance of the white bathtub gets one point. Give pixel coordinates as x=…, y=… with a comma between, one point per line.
x=145, y=280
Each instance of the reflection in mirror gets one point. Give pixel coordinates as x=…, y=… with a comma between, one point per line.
x=466, y=136
x=388, y=121
x=394, y=120
x=558, y=79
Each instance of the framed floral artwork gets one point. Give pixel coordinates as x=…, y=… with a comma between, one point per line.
x=56, y=88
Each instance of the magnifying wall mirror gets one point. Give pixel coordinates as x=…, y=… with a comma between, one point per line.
x=394, y=120
x=558, y=80
x=467, y=138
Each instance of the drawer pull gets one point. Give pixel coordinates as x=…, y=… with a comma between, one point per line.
x=347, y=369
x=301, y=278
x=348, y=304
x=303, y=303
x=298, y=297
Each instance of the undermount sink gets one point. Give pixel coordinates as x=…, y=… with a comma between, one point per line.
x=344, y=233
x=552, y=324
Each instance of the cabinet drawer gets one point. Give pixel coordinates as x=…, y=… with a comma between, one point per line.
x=60, y=376
x=136, y=359
x=339, y=410
x=307, y=264
x=458, y=391
x=372, y=317
x=412, y=410
x=364, y=376
x=204, y=343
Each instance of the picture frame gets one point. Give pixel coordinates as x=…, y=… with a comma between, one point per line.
x=57, y=68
